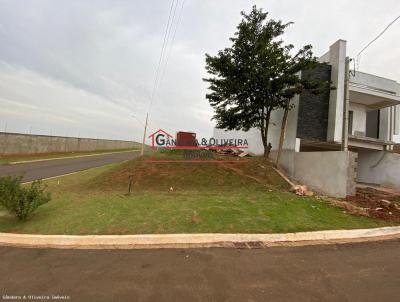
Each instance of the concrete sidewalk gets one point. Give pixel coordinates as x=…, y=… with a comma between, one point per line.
x=152, y=241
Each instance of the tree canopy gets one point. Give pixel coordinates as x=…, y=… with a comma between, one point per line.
x=256, y=75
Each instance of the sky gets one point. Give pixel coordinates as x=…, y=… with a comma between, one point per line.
x=88, y=68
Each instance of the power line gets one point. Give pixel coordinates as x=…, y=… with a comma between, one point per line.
x=154, y=94
x=376, y=38
x=172, y=42
x=141, y=123
x=166, y=35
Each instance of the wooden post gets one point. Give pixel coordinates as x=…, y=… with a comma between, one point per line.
x=130, y=184
x=144, y=134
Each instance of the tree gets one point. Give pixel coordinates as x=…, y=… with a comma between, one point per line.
x=256, y=75
x=19, y=200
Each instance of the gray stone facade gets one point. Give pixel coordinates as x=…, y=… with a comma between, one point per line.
x=314, y=109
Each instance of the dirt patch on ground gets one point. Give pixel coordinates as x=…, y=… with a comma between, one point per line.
x=153, y=173
x=260, y=170
x=379, y=204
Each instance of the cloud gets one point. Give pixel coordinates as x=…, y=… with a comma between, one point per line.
x=90, y=65
x=50, y=106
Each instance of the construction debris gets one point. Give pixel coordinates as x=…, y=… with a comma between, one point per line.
x=243, y=154
x=309, y=193
x=236, y=151
x=301, y=190
x=231, y=152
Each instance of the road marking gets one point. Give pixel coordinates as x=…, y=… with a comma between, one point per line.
x=72, y=173
x=66, y=157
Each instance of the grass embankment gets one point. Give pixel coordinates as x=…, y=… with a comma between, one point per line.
x=6, y=159
x=181, y=198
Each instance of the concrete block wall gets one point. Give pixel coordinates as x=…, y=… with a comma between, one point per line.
x=379, y=167
x=16, y=143
x=286, y=162
x=352, y=173
x=330, y=172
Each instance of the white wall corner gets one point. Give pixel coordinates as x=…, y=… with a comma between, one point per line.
x=384, y=122
x=337, y=59
x=396, y=120
x=297, y=145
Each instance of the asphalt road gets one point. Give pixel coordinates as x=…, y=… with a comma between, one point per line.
x=350, y=272
x=50, y=168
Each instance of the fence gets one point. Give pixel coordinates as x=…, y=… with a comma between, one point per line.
x=17, y=143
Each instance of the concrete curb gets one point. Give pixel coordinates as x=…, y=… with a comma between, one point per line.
x=152, y=241
x=66, y=157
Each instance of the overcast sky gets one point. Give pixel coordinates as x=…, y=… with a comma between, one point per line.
x=86, y=67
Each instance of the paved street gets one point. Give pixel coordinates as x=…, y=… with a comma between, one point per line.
x=50, y=168
x=350, y=272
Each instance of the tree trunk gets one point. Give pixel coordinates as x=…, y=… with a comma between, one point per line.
x=264, y=136
x=266, y=151
x=283, y=130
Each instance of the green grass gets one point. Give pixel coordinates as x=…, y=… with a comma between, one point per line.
x=6, y=159
x=206, y=198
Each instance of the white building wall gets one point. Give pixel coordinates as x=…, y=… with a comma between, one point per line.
x=337, y=58
x=359, y=117
x=374, y=81
x=290, y=142
x=389, y=128
x=360, y=121
x=396, y=135
x=253, y=136
x=384, y=126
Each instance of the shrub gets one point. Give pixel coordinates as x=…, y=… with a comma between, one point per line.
x=22, y=201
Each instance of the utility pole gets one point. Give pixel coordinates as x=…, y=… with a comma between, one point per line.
x=345, y=130
x=144, y=134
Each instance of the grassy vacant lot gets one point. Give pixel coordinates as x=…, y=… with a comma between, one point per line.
x=5, y=159
x=247, y=197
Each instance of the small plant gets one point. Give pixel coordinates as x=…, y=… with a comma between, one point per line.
x=21, y=201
